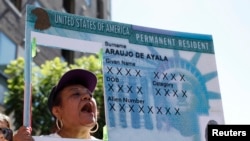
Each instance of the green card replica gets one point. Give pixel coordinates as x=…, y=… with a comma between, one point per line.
x=158, y=85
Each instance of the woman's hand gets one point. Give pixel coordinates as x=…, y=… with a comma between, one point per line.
x=23, y=134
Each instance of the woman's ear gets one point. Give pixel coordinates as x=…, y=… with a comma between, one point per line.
x=56, y=111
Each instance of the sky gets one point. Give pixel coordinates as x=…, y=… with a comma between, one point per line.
x=228, y=21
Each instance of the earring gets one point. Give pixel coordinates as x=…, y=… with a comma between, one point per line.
x=59, y=124
x=97, y=127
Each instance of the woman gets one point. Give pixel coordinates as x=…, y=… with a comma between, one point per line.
x=5, y=131
x=72, y=104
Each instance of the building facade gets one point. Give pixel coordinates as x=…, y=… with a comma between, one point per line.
x=12, y=30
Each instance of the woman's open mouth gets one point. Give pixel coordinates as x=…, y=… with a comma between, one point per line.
x=87, y=108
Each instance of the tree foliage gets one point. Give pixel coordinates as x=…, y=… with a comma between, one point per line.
x=44, y=77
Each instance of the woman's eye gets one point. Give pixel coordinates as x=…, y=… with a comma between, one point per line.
x=91, y=95
x=76, y=94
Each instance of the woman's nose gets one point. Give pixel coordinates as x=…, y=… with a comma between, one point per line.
x=86, y=97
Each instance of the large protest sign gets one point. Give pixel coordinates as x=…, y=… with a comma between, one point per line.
x=158, y=84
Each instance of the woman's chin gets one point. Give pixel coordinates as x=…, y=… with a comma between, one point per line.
x=88, y=120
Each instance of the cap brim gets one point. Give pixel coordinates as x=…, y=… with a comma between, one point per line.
x=78, y=76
